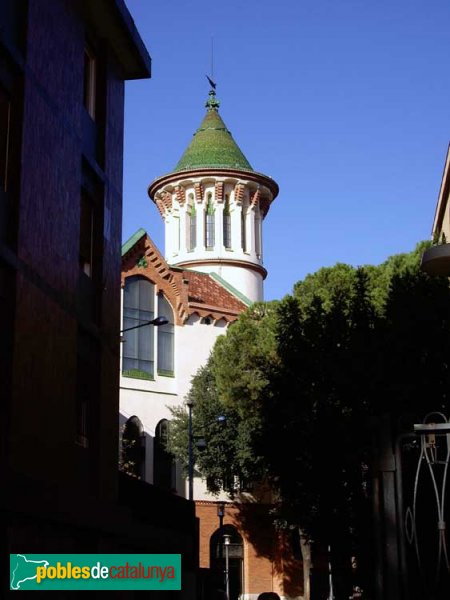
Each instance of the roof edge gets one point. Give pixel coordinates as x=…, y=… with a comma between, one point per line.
x=134, y=239
x=441, y=202
x=217, y=171
x=230, y=288
x=113, y=21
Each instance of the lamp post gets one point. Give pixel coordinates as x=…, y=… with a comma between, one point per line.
x=156, y=322
x=330, y=577
x=190, y=404
x=226, y=541
x=199, y=443
x=220, y=514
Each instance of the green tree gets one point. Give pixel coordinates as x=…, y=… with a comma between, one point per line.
x=341, y=278
x=300, y=380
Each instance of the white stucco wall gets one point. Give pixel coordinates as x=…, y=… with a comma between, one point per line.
x=217, y=258
x=194, y=342
x=246, y=281
x=151, y=401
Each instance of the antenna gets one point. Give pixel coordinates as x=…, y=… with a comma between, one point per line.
x=211, y=79
x=212, y=58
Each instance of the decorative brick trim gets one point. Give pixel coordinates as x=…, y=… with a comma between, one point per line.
x=167, y=199
x=255, y=198
x=188, y=292
x=219, y=191
x=239, y=189
x=214, y=313
x=198, y=188
x=173, y=178
x=192, y=264
x=160, y=205
x=181, y=194
x=159, y=273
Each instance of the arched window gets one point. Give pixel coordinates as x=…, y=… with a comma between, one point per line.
x=177, y=234
x=227, y=223
x=244, y=227
x=209, y=223
x=235, y=551
x=191, y=224
x=257, y=231
x=132, y=457
x=165, y=338
x=164, y=474
x=138, y=307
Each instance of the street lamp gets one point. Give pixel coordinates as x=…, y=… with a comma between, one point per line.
x=190, y=404
x=156, y=322
x=221, y=513
x=226, y=541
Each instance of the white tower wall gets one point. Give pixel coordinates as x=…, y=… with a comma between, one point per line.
x=235, y=254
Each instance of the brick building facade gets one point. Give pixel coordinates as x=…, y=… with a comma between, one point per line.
x=268, y=562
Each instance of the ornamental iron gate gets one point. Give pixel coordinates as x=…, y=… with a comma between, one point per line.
x=424, y=509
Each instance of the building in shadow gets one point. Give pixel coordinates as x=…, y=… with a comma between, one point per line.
x=63, y=65
x=411, y=460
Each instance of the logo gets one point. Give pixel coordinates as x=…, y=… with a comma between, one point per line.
x=95, y=572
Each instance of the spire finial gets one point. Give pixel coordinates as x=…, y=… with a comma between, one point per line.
x=212, y=103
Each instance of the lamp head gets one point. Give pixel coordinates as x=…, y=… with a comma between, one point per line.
x=200, y=444
x=160, y=321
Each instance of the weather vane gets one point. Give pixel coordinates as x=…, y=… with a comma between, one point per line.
x=212, y=103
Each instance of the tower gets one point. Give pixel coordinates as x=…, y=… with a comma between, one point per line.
x=213, y=205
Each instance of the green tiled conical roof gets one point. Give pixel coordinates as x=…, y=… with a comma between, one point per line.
x=213, y=145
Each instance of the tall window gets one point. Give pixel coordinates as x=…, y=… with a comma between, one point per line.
x=90, y=81
x=138, y=307
x=209, y=223
x=164, y=473
x=191, y=224
x=132, y=458
x=257, y=232
x=87, y=387
x=5, y=118
x=86, y=234
x=244, y=228
x=91, y=241
x=165, y=338
x=227, y=223
x=178, y=232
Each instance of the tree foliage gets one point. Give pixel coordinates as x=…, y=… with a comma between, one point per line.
x=301, y=380
x=327, y=281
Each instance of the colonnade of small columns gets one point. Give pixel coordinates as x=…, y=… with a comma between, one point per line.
x=196, y=216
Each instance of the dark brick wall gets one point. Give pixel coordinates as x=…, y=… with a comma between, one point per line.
x=56, y=494
x=42, y=428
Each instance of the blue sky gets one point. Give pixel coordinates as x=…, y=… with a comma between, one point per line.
x=345, y=103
